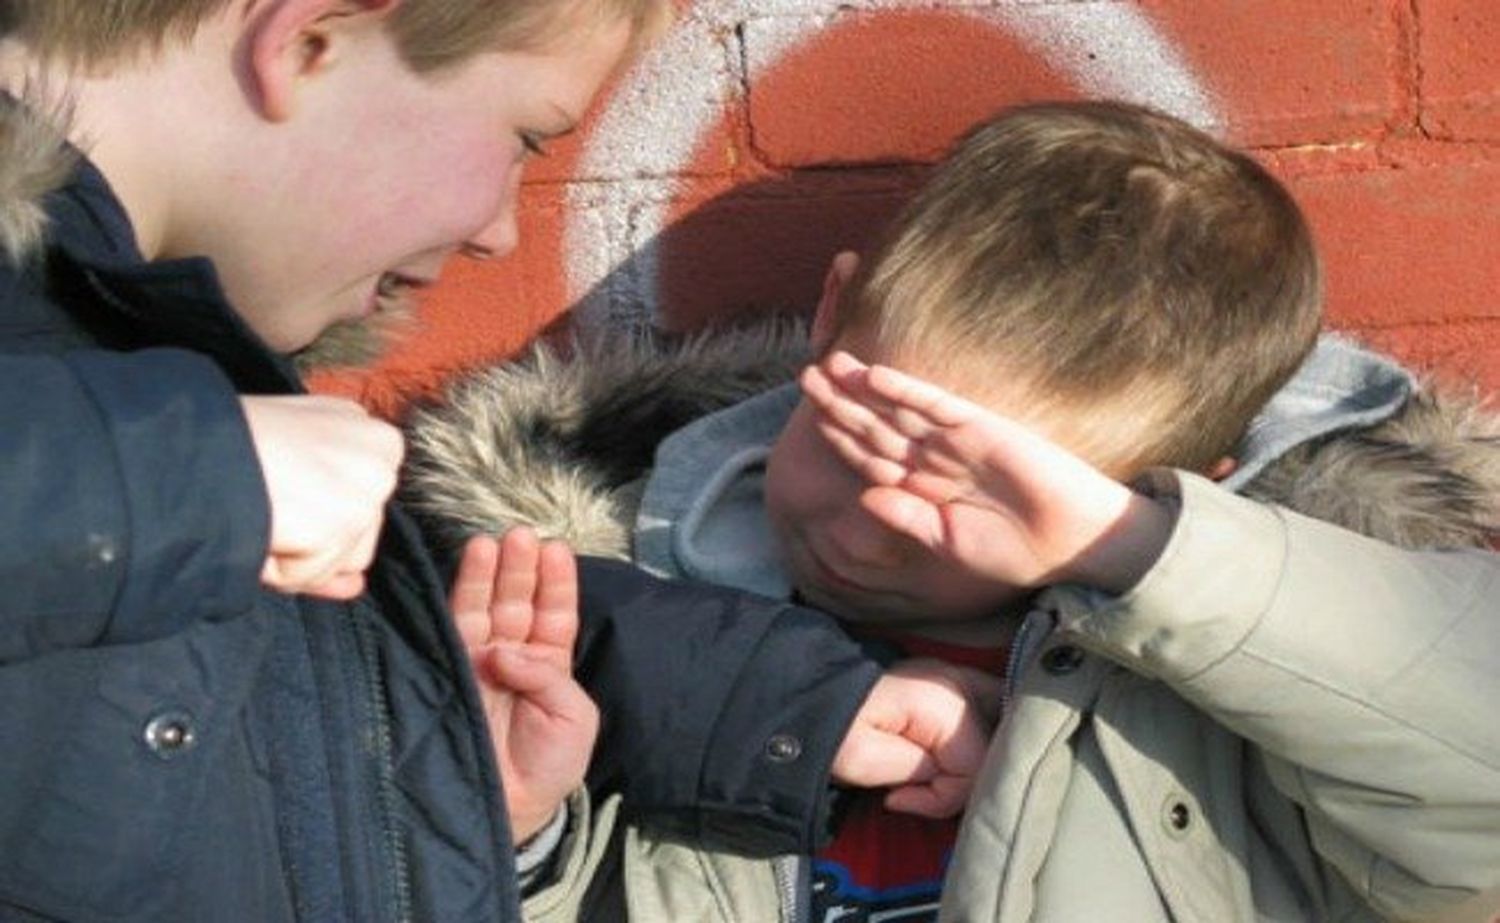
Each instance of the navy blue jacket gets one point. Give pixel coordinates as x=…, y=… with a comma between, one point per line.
x=181, y=745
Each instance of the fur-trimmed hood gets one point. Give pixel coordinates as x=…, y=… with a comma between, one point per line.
x=35, y=160
x=560, y=440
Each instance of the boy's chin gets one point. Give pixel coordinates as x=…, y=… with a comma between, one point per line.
x=992, y=626
x=853, y=612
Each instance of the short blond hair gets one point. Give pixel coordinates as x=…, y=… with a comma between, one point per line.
x=1111, y=262
x=431, y=34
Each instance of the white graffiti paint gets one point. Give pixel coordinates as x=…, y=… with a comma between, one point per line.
x=654, y=122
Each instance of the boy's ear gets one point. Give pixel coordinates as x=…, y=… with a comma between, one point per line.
x=1222, y=468
x=840, y=271
x=288, y=41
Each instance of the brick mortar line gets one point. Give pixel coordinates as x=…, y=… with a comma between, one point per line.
x=1414, y=52
x=1419, y=324
x=753, y=151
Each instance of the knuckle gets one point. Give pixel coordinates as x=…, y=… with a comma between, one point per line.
x=588, y=709
x=392, y=443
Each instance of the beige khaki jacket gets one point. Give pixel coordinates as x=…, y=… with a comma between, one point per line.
x=1282, y=721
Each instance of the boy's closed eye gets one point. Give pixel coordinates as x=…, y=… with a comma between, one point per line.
x=561, y=124
x=533, y=143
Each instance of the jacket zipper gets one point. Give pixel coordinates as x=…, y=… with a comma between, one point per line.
x=789, y=872
x=385, y=764
x=1021, y=647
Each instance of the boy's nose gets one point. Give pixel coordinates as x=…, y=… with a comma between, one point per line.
x=497, y=239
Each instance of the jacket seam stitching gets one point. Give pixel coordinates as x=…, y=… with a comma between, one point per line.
x=1372, y=708
x=1239, y=645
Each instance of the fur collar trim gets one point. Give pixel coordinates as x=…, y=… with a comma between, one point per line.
x=561, y=439
x=35, y=160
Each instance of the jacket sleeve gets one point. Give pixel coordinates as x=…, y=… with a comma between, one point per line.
x=132, y=499
x=722, y=711
x=585, y=881
x=1367, y=675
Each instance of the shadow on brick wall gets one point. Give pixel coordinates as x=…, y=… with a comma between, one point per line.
x=761, y=247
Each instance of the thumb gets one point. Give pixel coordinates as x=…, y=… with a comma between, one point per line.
x=943, y=797
x=871, y=758
x=542, y=681
x=905, y=513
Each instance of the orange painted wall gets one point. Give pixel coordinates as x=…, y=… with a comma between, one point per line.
x=761, y=136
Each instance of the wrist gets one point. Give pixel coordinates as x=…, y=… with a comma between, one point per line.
x=537, y=856
x=541, y=835
x=1127, y=549
x=526, y=825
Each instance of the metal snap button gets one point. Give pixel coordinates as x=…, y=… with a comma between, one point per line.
x=1062, y=660
x=1177, y=817
x=783, y=748
x=169, y=734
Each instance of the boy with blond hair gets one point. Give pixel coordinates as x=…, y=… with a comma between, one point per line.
x=1207, y=716
x=232, y=685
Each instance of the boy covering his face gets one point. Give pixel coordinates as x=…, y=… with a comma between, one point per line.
x=1082, y=295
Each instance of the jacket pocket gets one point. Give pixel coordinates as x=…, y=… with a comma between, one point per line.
x=109, y=754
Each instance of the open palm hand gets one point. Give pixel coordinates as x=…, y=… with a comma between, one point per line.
x=975, y=486
x=515, y=603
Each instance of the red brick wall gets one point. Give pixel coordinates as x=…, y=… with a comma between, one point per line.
x=761, y=136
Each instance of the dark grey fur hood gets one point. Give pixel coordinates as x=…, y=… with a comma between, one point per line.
x=561, y=439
